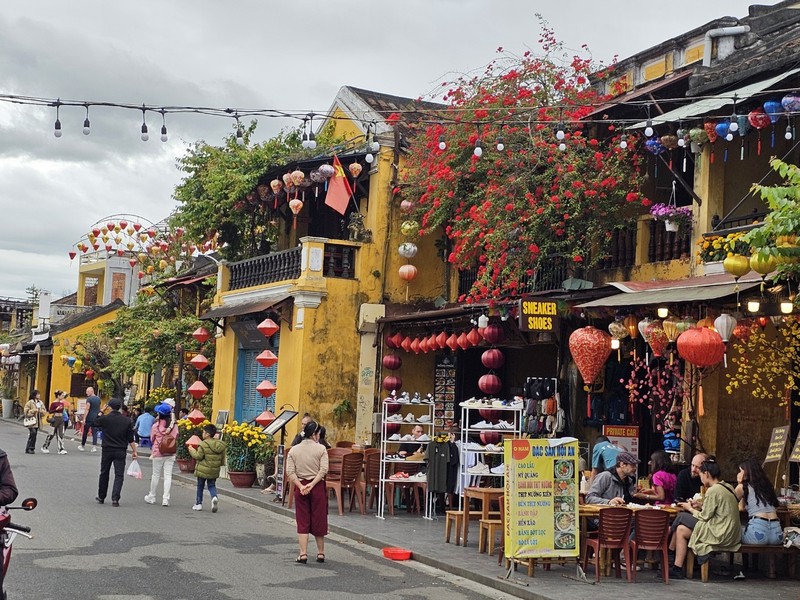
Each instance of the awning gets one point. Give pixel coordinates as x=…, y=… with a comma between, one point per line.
x=175, y=282
x=712, y=103
x=243, y=308
x=637, y=93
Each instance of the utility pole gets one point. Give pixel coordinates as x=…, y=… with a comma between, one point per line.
x=179, y=380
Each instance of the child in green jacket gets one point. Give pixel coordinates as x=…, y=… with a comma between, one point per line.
x=210, y=456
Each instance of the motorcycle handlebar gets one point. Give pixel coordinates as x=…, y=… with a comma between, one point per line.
x=18, y=527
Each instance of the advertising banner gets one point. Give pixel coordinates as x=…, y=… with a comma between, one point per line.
x=541, y=498
x=624, y=437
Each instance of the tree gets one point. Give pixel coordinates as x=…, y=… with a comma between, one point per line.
x=33, y=293
x=530, y=195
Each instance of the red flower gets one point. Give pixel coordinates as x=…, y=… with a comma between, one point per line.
x=393, y=118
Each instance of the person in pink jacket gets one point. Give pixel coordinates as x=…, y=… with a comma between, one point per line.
x=163, y=427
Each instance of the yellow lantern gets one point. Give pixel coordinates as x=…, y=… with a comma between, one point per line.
x=737, y=265
x=763, y=266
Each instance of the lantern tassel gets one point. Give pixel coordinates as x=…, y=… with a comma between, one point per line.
x=619, y=356
x=294, y=226
x=589, y=405
x=701, y=410
x=671, y=358
x=725, y=359
x=758, y=147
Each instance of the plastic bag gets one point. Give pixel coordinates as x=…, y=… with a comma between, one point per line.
x=134, y=470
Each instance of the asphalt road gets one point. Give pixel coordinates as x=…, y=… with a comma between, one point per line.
x=84, y=550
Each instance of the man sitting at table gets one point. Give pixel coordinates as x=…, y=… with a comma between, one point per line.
x=688, y=483
x=616, y=485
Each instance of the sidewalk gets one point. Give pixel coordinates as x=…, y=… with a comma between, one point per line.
x=425, y=538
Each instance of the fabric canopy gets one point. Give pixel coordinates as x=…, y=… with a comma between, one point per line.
x=671, y=295
x=243, y=308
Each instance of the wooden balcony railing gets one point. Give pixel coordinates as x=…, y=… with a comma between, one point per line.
x=340, y=260
x=622, y=250
x=735, y=224
x=668, y=245
x=269, y=268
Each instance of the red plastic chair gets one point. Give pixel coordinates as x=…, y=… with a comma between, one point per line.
x=613, y=534
x=352, y=464
x=651, y=532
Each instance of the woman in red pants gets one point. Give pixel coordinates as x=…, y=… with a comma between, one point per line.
x=306, y=467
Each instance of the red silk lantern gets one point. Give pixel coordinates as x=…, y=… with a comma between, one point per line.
x=490, y=384
x=657, y=338
x=392, y=362
x=193, y=441
x=493, y=333
x=397, y=339
x=392, y=428
x=268, y=327
x=423, y=344
x=452, y=342
x=493, y=358
x=199, y=362
x=89, y=374
x=389, y=339
x=481, y=331
x=406, y=344
x=266, y=388
x=590, y=348
x=415, y=345
x=702, y=347
x=758, y=118
x=441, y=340
x=462, y=341
x=474, y=337
x=407, y=272
x=393, y=407
x=196, y=417
x=491, y=437
x=433, y=345
x=266, y=359
x=198, y=389
x=392, y=383
x=265, y=418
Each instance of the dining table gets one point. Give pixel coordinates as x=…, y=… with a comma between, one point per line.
x=485, y=495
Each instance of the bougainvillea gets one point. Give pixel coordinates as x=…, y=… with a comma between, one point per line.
x=659, y=387
x=532, y=194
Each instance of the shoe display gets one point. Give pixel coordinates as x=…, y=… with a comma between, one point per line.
x=424, y=419
x=62, y=451
x=214, y=504
x=197, y=507
x=394, y=419
x=474, y=446
x=150, y=499
x=503, y=425
x=45, y=451
x=405, y=398
x=410, y=418
x=424, y=438
x=498, y=470
x=428, y=399
x=418, y=477
x=407, y=438
x=479, y=469
x=416, y=398
x=400, y=475
x=394, y=438
x=482, y=425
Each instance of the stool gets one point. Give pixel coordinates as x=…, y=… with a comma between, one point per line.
x=145, y=442
x=453, y=517
x=487, y=531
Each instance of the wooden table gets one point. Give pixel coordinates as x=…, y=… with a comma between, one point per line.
x=485, y=495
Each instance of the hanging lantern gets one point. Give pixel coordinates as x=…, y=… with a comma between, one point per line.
x=774, y=110
x=196, y=416
x=295, y=205
x=392, y=362
x=72, y=254
x=266, y=388
x=758, y=118
x=433, y=343
x=407, y=250
x=198, y=389
x=490, y=415
x=708, y=323
x=78, y=364
x=462, y=341
x=669, y=141
x=791, y=102
x=656, y=338
x=406, y=206
x=493, y=333
x=590, y=348
x=654, y=146
x=722, y=128
x=698, y=135
x=642, y=325
x=392, y=383
x=670, y=325
x=762, y=321
x=474, y=337
x=407, y=272
x=737, y=265
x=710, y=127
x=490, y=384
x=297, y=177
x=193, y=442
x=268, y=327
x=266, y=359
x=389, y=341
x=452, y=342
x=743, y=329
x=355, y=169
x=397, y=338
x=406, y=344
x=265, y=418
x=409, y=228
x=441, y=340
x=763, y=266
x=415, y=345
x=631, y=323
x=89, y=374
x=199, y=362
x=423, y=344
x=493, y=358
x=491, y=437
x=618, y=330
x=725, y=324
x=702, y=347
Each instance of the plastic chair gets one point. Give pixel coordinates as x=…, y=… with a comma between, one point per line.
x=372, y=475
x=613, y=534
x=651, y=532
x=335, y=456
x=348, y=480
x=344, y=444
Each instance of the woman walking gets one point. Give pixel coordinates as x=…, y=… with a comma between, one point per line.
x=57, y=422
x=163, y=460
x=32, y=420
x=306, y=467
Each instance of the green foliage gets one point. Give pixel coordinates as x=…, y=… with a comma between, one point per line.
x=343, y=410
x=264, y=451
x=157, y=395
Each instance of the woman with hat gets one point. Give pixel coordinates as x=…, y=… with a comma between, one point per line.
x=163, y=459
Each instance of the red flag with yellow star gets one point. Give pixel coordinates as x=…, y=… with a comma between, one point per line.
x=339, y=190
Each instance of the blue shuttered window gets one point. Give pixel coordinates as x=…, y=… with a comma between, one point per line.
x=249, y=403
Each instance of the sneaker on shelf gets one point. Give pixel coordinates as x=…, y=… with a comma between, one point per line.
x=62, y=451
x=492, y=448
x=428, y=399
x=416, y=398
x=197, y=507
x=394, y=438
x=424, y=419
x=479, y=469
x=410, y=418
x=470, y=402
x=407, y=438
x=405, y=398
x=481, y=425
x=498, y=403
x=394, y=418
x=45, y=451
x=150, y=499
x=424, y=438
x=418, y=477
x=499, y=469
x=503, y=425
x=517, y=402
x=473, y=446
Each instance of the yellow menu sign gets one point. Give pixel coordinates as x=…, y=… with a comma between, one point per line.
x=541, y=498
x=777, y=443
x=795, y=455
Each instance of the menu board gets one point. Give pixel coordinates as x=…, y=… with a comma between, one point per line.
x=777, y=443
x=541, y=498
x=444, y=391
x=795, y=455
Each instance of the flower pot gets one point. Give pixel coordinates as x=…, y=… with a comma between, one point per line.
x=713, y=267
x=186, y=465
x=242, y=479
x=670, y=225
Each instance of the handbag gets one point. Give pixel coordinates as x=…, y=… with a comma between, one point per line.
x=30, y=421
x=167, y=445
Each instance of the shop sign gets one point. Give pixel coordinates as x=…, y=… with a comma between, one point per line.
x=624, y=437
x=777, y=443
x=795, y=455
x=541, y=498
x=538, y=315
x=188, y=356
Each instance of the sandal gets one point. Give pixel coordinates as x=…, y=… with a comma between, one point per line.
x=320, y=558
x=303, y=559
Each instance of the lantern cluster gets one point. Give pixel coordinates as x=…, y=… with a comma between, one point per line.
x=266, y=359
x=198, y=389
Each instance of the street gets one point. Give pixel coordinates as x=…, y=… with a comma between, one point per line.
x=139, y=551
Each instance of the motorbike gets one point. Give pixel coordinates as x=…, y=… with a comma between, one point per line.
x=8, y=533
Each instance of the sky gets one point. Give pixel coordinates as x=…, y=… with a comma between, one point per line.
x=244, y=54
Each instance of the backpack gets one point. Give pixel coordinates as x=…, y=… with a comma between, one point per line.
x=168, y=445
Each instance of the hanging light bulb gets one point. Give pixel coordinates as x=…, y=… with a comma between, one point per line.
x=57, y=125
x=483, y=321
x=369, y=158
x=500, y=145
x=734, y=126
x=304, y=142
x=753, y=306
x=164, y=137
x=145, y=135
x=312, y=139
x=562, y=146
x=478, y=151
x=787, y=306
x=239, y=133
x=729, y=136
x=374, y=146
x=681, y=133
x=648, y=130
x=662, y=312
x=623, y=141
x=86, y=124
x=560, y=135
x=788, y=135
x=442, y=143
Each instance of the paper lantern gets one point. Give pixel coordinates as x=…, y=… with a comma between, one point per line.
x=698, y=135
x=295, y=205
x=392, y=428
x=642, y=325
x=493, y=358
x=201, y=334
x=407, y=272
x=72, y=254
x=631, y=323
x=392, y=362
x=710, y=127
x=89, y=374
x=670, y=325
x=265, y=418
x=462, y=341
x=392, y=383
x=406, y=344
x=409, y=228
x=618, y=330
x=78, y=364
x=297, y=177
x=493, y=333
x=266, y=388
x=406, y=206
x=452, y=342
x=433, y=344
x=198, y=389
x=397, y=338
x=389, y=341
x=441, y=340
x=194, y=441
x=199, y=362
x=268, y=327
x=725, y=324
x=657, y=338
x=423, y=345
x=737, y=265
x=132, y=262
x=708, y=323
x=701, y=346
x=763, y=266
x=490, y=415
x=791, y=102
x=491, y=437
x=490, y=384
x=415, y=345
x=474, y=337
x=196, y=417
x=590, y=348
x=266, y=359
x=355, y=169
x=654, y=146
x=669, y=141
x=722, y=128
x=407, y=250
x=758, y=118
x=774, y=110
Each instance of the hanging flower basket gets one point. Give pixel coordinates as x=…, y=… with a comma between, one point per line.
x=674, y=217
x=670, y=225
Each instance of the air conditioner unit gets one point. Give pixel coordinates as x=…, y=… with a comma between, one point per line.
x=376, y=422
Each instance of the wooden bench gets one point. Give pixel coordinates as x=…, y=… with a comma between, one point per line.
x=456, y=517
x=790, y=553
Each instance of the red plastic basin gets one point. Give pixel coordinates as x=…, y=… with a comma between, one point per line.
x=397, y=553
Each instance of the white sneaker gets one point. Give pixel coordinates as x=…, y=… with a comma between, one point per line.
x=150, y=499
x=416, y=399
x=197, y=507
x=394, y=419
x=479, y=469
x=482, y=425
x=504, y=425
x=214, y=504
x=62, y=451
x=407, y=438
x=424, y=438
x=94, y=448
x=418, y=477
x=424, y=419
x=409, y=418
x=165, y=502
x=45, y=451
x=394, y=438
x=81, y=448
x=499, y=469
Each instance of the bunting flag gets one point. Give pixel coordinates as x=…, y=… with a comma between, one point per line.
x=339, y=191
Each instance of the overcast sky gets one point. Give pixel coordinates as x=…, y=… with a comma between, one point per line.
x=248, y=53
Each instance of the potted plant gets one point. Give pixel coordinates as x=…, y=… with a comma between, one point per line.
x=715, y=248
x=241, y=440
x=674, y=217
x=264, y=455
x=187, y=429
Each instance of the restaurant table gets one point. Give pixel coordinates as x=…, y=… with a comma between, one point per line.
x=485, y=495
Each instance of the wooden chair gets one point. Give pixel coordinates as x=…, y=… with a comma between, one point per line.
x=453, y=517
x=488, y=529
x=371, y=482
x=288, y=488
x=651, y=532
x=344, y=444
x=348, y=480
x=613, y=534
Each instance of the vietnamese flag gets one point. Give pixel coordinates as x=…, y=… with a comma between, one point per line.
x=339, y=191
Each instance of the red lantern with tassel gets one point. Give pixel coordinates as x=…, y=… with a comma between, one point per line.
x=441, y=340
x=389, y=340
x=474, y=337
x=590, y=348
x=493, y=333
x=392, y=362
x=196, y=417
x=657, y=338
x=295, y=205
x=397, y=339
x=493, y=358
x=490, y=384
x=423, y=344
x=462, y=340
x=433, y=345
x=702, y=347
x=452, y=342
x=415, y=345
x=406, y=344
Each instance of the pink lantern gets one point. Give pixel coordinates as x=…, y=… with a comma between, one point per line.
x=389, y=340
x=266, y=388
x=452, y=342
x=493, y=333
x=433, y=344
x=415, y=345
x=392, y=383
x=474, y=337
x=462, y=341
x=493, y=358
x=590, y=348
x=266, y=359
x=198, y=389
x=268, y=327
x=201, y=334
x=194, y=441
x=196, y=417
x=406, y=344
x=392, y=362
x=397, y=339
x=490, y=384
x=265, y=418
x=295, y=205
x=199, y=362
x=407, y=272
x=441, y=340
x=657, y=338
